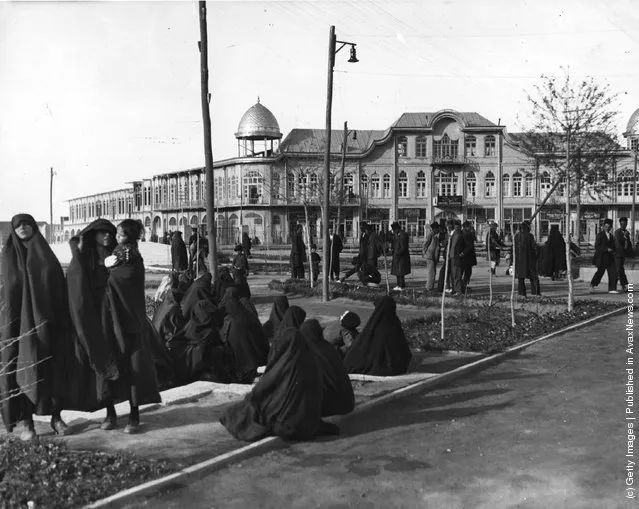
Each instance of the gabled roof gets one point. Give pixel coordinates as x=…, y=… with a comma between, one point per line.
x=470, y=119
x=314, y=141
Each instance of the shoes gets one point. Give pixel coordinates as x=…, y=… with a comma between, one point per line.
x=29, y=434
x=60, y=427
x=132, y=427
x=591, y=289
x=397, y=289
x=109, y=423
x=624, y=288
x=449, y=290
x=614, y=291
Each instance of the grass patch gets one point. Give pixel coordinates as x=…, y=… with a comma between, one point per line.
x=53, y=476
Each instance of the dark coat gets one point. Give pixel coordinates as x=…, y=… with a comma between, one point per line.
x=493, y=250
x=467, y=255
x=373, y=249
x=287, y=400
x=525, y=252
x=604, y=250
x=555, y=253
x=93, y=361
x=401, y=255
x=381, y=348
x=34, y=308
x=298, y=250
x=623, y=244
x=179, y=256
x=280, y=305
x=246, y=244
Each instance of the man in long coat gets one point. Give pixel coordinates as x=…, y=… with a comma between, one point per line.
x=623, y=248
x=430, y=252
x=336, y=249
x=298, y=254
x=604, y=258
x=493, y=247
x=467, y=256
x=525, y=249
x=363, y=242
x=401, y=256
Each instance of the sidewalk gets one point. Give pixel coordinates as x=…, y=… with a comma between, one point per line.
x=543, y=430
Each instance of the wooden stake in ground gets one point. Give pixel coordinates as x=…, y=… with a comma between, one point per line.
x=490, y=270
x=512, y=286
x=450, y=236
x=386, y=270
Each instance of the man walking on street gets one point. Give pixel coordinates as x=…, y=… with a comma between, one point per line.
x=604, y=258
x=401, y=256
x=623, y=248
x=467, y=257
x=430, y=252
x=336, y=249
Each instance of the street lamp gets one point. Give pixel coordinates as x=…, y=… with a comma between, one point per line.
x=332, y=51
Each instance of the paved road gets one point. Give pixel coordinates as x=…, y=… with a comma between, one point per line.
x=543, y=430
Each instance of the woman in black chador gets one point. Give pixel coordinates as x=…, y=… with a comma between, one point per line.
x=555, y=254
x=33, y=329
x=280, y=305
x=179, y=256
x=287, y=400
x=338, y=397
x=244, y=339
x=137, y=382
x=381, y=348
x=93, y=361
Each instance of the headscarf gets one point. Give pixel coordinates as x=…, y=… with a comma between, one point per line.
x=338, y=397
x=280, y=305
x=294, y=317
x=381, y=348
x=200, y=289
x=248, y=304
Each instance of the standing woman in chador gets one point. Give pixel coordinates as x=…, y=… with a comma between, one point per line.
x=93, y=361
x=33, y=329
x=126, y=326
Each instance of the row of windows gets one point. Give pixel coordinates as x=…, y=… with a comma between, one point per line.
x=445, y=147
x=112, y=207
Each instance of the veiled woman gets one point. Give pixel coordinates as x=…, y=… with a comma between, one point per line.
x=93, y=362
x=337, y=397
x=280, y=305
x=199, y=289
x=34, y=332
x=244, y=339
x=287, y=400
x=137, y=382
x=197, y=348
x=381, y=348
x=179, y=256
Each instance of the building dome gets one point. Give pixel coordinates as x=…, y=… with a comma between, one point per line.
x=258, y=123
x=633, y=123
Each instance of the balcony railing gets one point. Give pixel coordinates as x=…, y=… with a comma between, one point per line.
x=449, y=159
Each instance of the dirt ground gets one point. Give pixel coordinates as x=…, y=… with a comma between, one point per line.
x=543, y=430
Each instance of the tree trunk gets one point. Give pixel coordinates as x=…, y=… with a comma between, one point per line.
x=490, y=272
x=512, y=286
x=308, y=245
x=567, y=235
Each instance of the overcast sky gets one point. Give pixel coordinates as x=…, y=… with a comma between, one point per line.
x=109, y=92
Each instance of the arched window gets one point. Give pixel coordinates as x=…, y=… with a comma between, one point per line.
x=290, y=185
x=518, y=185
x=363, y=185
x=402, y=183
x=489, y=185
x=471, y=146
x=505, y=189
x=545, y=183
x=420, y=146
x=387, y=191
x=420, y=184
x=446, y=183
x=234, y=189
x=348, y=185
x=402, y=146
x=624, y=183
x=376, y=185
x=489, y=146
x=252, y=185
x=471, y=185
x=219, y=189
x=314, y=189
x=446, y=148
x=529, y=189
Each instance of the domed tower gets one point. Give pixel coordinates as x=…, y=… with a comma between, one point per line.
x=258, y=124
x=632, y=131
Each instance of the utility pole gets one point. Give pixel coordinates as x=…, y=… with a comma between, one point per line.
x=340, y=181
x=567, y=191
x=208, y=149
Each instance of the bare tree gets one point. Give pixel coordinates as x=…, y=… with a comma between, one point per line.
x=573, y=133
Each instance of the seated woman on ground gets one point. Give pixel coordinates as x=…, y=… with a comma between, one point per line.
x=243, y=338
x=280, y=305
x=381, y=349
x=343, y=333
x=287, y=400
x=338, y=397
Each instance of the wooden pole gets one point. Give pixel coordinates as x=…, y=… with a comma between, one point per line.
x=208, y=149
x=450, y=236
x=568, y=261
x=51, y=208
x=327, y=164
x=340, y=181
x=512, y=285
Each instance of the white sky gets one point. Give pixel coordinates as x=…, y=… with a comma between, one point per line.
x=109, y=92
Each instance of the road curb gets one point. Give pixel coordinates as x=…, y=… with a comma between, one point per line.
x=204, y=468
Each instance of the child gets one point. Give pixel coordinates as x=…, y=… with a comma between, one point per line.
x=127, y=250
x=315, y=262
x=343, y=336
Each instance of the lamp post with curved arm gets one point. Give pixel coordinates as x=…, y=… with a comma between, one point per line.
x=332, y=51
